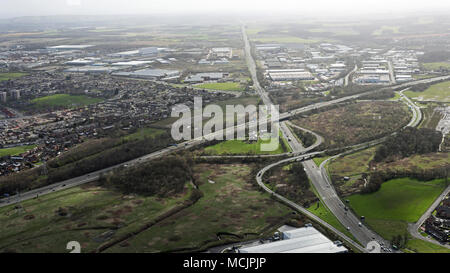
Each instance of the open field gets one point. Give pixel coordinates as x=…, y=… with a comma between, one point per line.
x=383, y=30
x=417, y=162
x=283, y=39
x=64, y=100
x=419, y=246
x=436, y=66
x=356, y=123
x=437, y=92
x=359, y=163
x=10, y=76
x=242, y=100
x=88, y=214
x=16, y=150
x=226, y=86
x=238, y=147
x=397, y=203
x=231, y=206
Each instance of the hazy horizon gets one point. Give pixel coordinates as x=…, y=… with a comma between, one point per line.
x=20, y=8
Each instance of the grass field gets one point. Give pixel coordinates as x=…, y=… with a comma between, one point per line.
x=436, y=66
x=230, y=205
x=416, y=245
x=16, y=150
x=92, y=213
x=283, y=39
x=397, y=203
x=437, y=92
x=226, y=86
x=10, y=76
x=386, y=30
x=352, y=164
x=237, y=147
x=64, y=100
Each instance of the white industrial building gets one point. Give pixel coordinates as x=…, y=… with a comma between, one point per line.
x=289, y=75
x=69, y=47
x=222, y=52
x=153, y=74
x=300, y=240
x=202, y=77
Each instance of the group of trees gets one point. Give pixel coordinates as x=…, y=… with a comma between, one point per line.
x=399, y=241
x=381, y=95
x=307, y=138
x=81, y=161
x=407, y=142
x=162, y=177
x=298, y=176
x=379, y=177
x=354, y=123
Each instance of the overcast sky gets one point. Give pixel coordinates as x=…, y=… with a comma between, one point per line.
x=13, y=8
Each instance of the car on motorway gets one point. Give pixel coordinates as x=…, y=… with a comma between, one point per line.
x=360, y=224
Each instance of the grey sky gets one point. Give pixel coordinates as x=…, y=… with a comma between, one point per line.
x=12, y=8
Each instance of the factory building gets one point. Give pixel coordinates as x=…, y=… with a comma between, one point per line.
x=290, y=75
x=373, y=79
x=153, y=74
x=68, y=47
x=222, y=52
x=300, y=240
x=203, y=77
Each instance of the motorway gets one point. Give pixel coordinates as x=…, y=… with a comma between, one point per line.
x=319, y=178
x=417, y=113
x=347, y=77
x=322, y=185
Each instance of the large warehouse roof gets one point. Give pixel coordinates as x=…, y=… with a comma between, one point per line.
x=302, y=240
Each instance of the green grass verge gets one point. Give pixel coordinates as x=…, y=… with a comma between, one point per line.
x=420, y=246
